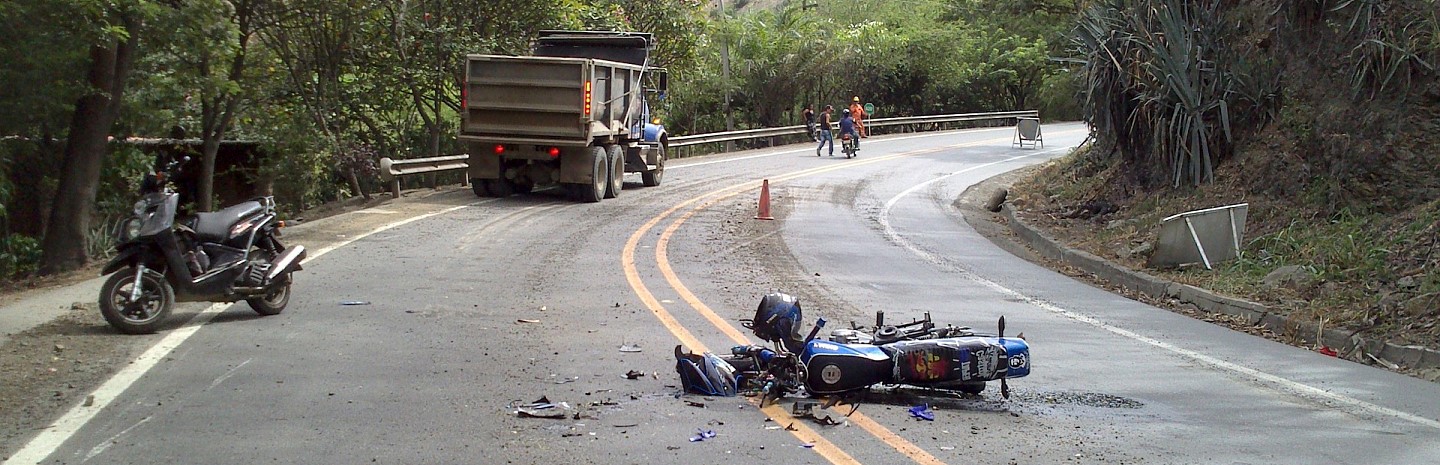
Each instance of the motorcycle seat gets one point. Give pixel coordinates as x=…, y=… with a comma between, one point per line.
x=215, y=226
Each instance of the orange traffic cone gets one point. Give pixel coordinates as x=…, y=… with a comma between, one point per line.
x=764, y=202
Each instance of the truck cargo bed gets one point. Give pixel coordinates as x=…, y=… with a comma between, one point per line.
x=542, y=99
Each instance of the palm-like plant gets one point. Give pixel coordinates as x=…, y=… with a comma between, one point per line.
x=1155, y=85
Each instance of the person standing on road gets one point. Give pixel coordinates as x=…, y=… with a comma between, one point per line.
x=810, y=124
x=824, y=131
x=857, y=111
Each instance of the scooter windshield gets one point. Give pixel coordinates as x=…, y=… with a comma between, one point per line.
x=163, y=215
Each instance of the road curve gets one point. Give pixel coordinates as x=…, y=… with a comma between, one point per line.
x=477, y=306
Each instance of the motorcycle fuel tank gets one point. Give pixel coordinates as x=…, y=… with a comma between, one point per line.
x=834, y=368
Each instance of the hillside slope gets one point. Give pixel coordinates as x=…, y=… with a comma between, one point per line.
x=1338, y=164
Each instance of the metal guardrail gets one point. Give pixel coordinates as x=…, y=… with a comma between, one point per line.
x=697, y=139
x=392, y=170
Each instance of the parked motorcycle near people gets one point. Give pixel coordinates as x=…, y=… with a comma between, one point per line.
x=224, y=256
x=917, y=354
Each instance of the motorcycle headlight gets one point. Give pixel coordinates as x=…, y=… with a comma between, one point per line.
x=130, y=229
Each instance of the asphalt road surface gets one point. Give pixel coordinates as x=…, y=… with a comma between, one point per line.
x=470, y=307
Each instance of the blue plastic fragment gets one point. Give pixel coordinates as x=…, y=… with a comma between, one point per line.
x=922, y=412
x=704, y=434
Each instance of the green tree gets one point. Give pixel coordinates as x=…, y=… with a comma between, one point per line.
x=113, y=48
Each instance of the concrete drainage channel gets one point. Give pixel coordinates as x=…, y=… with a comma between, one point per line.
x=1424, y=362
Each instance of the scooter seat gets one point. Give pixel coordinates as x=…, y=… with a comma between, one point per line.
x=215, y=226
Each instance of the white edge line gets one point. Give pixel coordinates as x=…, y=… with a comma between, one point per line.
x=50, y=440
x=1294, y=387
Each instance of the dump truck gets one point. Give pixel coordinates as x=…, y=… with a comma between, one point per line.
x=576, y=113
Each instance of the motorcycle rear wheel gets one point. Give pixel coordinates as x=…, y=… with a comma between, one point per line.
x=145, y=316
x=274, y=302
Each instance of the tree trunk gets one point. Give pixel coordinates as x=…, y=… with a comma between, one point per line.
x=219, y=110
x=355, y=183
x=63, y=247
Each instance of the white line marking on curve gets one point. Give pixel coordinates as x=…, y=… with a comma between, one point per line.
x=1294, y=387
x=783, y=152
x=49, y=440
x=99, y=448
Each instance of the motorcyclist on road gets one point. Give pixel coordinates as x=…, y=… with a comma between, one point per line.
x=847, y=126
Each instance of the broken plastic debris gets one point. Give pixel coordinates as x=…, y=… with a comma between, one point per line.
x=567, y=380
x=632, y=374
x=1326, y=350
x=922, y=412
x=808, y=445
x=695, y=404
x=947, y=447
x=523, y=320
x=630, y=348
x=354, y=302
x=703, y=435
x=542, y=408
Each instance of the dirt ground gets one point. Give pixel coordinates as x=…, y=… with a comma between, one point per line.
x=45, y=369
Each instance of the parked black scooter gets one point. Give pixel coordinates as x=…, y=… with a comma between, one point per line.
x=224, y=256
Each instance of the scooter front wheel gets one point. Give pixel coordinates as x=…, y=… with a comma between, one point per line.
x=139, y=316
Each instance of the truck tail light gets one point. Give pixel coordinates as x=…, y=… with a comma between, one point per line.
x=587, y=98
x=499, y=149
x=554, y=152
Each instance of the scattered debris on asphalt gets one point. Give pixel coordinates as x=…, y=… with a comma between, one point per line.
x=625, y=425
x=703, y=435
x=695, y=404
x=922, y=412
x=543, y=408
x=630, y=348
x=632, y=374
x=523, y=320
x=567, y=380
x=354, y=302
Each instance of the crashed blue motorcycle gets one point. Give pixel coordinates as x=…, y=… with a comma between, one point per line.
x=851, y=360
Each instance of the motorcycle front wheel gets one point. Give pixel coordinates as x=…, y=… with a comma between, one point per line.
x=140, y=316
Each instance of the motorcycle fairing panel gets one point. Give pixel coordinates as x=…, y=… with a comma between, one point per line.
x=833, y=367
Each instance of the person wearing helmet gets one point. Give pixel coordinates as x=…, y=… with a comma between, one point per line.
x=847, y=126
x=857, y=111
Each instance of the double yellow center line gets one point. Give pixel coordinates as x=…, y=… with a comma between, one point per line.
x=694, y=205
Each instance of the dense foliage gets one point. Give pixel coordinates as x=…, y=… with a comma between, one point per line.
x=328, y=87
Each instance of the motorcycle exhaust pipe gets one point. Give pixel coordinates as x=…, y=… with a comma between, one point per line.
x=288, y=261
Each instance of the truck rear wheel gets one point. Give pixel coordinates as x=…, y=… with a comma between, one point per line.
x=501, y=188
x=615, y=158
x=652, y=178
x=595, y=189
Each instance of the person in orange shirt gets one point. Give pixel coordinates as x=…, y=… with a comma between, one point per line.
x=858, y=112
